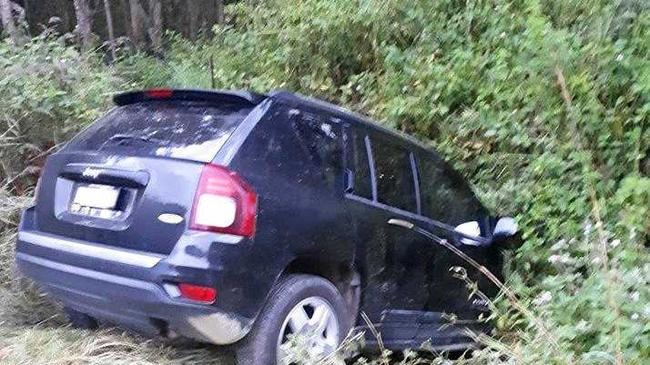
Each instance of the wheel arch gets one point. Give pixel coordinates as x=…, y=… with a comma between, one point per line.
x=343, y=275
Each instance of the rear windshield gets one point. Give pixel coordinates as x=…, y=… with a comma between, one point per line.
x=194, y=131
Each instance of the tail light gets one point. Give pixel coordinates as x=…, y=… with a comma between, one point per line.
x=224, y=203
x=159, y=93
x=197, y=293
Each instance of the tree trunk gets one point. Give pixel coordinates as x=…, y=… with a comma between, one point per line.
x=84, y=22
x=193, y=15
x=126, y=15
x=220, y=12
x=138, y=19
x=155, y=30
x=109, y=26
x=8, y=23
x=63, y=10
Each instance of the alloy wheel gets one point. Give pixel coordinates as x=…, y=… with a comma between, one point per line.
x=313, y=319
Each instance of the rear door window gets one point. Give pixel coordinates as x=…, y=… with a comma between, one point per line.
x=188, y=130
x=394, y=175
x=320, y=139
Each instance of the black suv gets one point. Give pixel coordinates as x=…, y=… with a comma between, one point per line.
x=236, y=217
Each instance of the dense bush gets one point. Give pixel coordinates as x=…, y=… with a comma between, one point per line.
x=543, y=105
x=48, y=90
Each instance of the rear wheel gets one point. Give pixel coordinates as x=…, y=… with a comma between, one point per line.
x=80, y=320
x=300, y=305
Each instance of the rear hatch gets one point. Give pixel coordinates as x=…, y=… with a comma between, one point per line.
x=129, y=179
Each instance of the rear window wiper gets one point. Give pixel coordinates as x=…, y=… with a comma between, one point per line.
x=124, y=137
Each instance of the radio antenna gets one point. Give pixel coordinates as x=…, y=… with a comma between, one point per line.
x=212, y=81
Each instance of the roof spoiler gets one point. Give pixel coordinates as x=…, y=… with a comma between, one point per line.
x=241, y=97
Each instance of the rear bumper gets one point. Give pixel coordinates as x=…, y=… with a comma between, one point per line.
x=122, y=288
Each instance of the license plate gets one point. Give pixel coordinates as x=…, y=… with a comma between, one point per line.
x=96, y=196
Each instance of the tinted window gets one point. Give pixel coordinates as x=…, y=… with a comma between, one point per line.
x=319, y=139
x=444, y=193
x=395, y=185
x=193, y=131
x=358, y=155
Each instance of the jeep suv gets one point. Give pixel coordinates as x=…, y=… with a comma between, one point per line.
x=241, y=218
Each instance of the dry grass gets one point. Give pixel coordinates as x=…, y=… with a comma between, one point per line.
x=64, y=345
x=33, y=329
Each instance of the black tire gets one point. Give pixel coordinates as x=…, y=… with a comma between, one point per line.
x=80, y=320
x=260, y=345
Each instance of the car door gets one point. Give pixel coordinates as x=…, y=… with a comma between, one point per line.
x=319, y=141
x=392, y=260
x=446, y=198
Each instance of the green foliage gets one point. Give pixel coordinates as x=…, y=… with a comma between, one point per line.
x=47, y=92
x=543, y=104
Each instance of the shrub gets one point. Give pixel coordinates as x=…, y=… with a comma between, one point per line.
x=542, y=104
x=48, y=91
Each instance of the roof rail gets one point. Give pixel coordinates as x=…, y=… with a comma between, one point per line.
x=303, y=99
x=298, y=99
x=244, y=97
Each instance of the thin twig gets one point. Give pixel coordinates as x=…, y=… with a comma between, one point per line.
x=377, y=335
x=508, y=293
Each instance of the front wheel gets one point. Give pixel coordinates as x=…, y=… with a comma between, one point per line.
x=305, y=306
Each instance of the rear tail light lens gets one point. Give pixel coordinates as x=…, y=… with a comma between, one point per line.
x=159, y=93
x=197, y=293
x=224, y=203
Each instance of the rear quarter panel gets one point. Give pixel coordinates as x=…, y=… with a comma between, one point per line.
x=301, y=213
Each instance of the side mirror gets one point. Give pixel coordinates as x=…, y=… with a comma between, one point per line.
x=506, y=233
x=505, y=227
x=468, y=230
